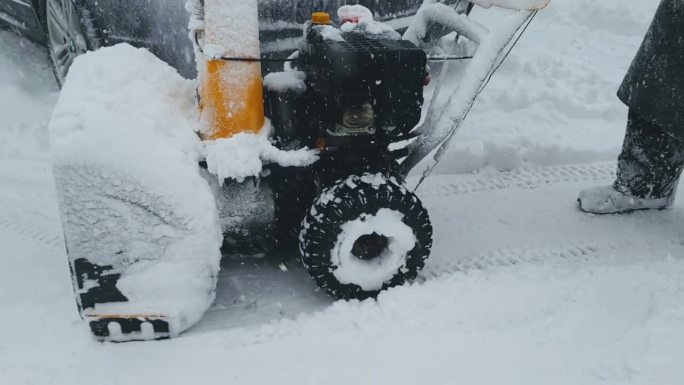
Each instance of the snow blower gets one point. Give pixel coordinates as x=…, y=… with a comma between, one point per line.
x=156, y=174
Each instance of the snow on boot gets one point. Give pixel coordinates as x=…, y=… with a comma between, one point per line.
x=608, y=200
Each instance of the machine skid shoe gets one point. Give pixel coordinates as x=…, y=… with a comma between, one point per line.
x=130, y=327
x=115, y=326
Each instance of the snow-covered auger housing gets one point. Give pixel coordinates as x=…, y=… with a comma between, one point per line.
x=157, y=174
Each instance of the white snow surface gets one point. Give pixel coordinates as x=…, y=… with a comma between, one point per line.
x=553, y=100
x=521, y=287
x=25, y=100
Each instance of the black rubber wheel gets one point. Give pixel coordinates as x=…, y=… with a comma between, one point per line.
x=70, y=33
x=364, y=235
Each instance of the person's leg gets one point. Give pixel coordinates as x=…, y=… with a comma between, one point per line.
x=651, y=161
x=649, y=168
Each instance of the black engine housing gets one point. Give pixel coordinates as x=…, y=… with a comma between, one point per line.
x=360, y=94
x=359, y=87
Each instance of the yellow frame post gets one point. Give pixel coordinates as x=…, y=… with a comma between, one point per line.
x=231, y=92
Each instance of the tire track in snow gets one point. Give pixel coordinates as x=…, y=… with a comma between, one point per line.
x=531, y=177
x=20, y=218
x=511, y=256
x=624, y=249
x=24, y=219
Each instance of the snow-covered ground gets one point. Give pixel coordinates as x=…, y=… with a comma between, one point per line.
x=521, y=288
x=553, y=101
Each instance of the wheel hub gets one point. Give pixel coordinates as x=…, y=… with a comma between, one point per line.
x=370, y=246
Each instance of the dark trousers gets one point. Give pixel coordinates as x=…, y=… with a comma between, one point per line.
x=651, y=161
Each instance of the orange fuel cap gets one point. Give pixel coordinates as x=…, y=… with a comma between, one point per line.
x=318, y=18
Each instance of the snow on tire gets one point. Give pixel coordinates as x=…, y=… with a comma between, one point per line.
x=363, y=235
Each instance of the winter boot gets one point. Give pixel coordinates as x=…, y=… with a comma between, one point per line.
x=608, y=200
x=649, y=168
